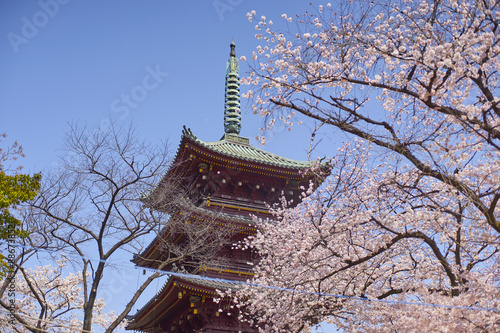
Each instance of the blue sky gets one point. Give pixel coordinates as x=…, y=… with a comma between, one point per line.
x=66, y=61
x=75, y=60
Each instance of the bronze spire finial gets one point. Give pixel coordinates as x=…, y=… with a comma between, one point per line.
x=232, y=115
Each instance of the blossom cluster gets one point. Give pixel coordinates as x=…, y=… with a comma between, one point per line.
x=51, y=299
x=410, y=212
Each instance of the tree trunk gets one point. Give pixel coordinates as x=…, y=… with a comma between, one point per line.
x=89, y=306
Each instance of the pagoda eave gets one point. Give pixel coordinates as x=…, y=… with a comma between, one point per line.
x=241, y=227
x=232, y=158
x=182, y=301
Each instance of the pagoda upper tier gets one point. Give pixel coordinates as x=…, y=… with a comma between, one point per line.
x=233, y=175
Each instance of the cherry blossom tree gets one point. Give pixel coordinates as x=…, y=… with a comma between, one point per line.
x=410, y=213
x=50, y=299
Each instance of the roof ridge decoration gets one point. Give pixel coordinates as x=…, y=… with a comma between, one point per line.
x=232, y=115
x=188, y=133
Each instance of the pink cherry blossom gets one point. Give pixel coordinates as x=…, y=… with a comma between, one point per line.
x=410, y=212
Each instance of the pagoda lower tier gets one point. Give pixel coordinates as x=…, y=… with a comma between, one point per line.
x=186, y=304
x=189, y=305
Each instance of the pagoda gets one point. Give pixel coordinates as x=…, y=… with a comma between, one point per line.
x=225, y=184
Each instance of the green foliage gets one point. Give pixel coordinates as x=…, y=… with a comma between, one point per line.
x=14, y=190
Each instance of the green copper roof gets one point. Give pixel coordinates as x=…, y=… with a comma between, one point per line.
x=235, y=146
x=232, y=115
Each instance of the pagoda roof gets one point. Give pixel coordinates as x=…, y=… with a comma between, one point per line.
x=192, y=211
x=202, y=284
x=212, y=283
x=236, y=150
x=237, y=147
